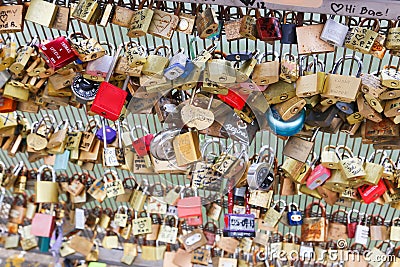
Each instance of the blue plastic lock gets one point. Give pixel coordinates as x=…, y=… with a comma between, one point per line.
x=285, y=128
x=295, y=216
x=189, y=67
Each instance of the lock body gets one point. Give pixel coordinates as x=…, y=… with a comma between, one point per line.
x=57, y=53
x=103, y=105
x=318, y=176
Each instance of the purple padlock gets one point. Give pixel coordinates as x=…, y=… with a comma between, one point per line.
x=111, y=134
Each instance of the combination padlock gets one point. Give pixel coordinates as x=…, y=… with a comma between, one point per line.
x=362, y=233
x=294, y=215
x=260, y=175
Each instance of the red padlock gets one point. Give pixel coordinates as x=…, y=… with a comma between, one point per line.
x=351, y=226
x=370, y=193
x=141, y=144
x=234, y=99
x=269, y=28
x=210, y=231
x=110, y=99
x=57, y=53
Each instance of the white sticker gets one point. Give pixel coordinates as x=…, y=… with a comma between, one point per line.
x=79, y=219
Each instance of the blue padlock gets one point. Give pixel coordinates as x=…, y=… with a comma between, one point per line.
x=240, y=56
x=295, y=216
x=111, y=134
x=176, y=65
x=189, y=67
x=347, y=108
x=61, y=161
x=285, y=128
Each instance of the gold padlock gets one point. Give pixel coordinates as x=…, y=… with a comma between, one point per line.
x=279, y=92
x=186, y=147
x=46, y=192
x=86, y=11
x=290, y=108
x=156, y=64
x=141, y=19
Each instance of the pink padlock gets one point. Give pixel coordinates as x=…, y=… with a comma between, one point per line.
x=141, y=144
x=318, y=176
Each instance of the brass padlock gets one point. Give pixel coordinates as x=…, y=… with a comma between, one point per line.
x=310, y=84
x=371, y=84
x=141, y=19
x=248, y=27
x=46, y=192
x=290, y=108
x=88, y=49
x=158, y=27
x=329, y=159
x=186, y=147
x=367, y=111
x=266, y=73
x=87, y=11
x=374, y=171
x=351, y=166
x=156, y=64
x=206, y=21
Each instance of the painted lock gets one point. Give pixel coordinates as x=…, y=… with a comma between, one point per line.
x=285, y=128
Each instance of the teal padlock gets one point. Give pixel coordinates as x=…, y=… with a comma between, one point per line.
x=44, y=244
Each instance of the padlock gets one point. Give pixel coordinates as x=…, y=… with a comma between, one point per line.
x=97, y=69
x=290, y=108
x=156, y=64
x=142, y=144
x=352, y=167
x=101, y=104
x=9, y=54
x=186, y=148
x=260, y=175
x=343, y=88
x=362, y=232
x=158, y=27
x=109, y=153
x=58, y=53
x=189, y=207
x=18, y=209
x=114, y=187
x=248, y=28
x=272, y=216
x=106, y=132
x=266, y=72
x=370, y=193
x=289, y=35
x=220, y=70
x=46, y=192
x=294, y=216
x=395, y=229
x=87, y=11
x=176, y=66
x=244, y=72
x=334, y=33
x=58, y=137
x=35, y=12
x=310, y=84
x=362, y=39
x=87, y=49
x=378, y=229
x=207, y=23
x=169, y=231
x=232, y=27
x=329, y=159
x=138, y=199
x=390, y=77
x=352, y=224
x=373, y=170
x=141, y=19
x=318, y=176
x=136, y=54
x=76, y=186
x=269, y=28
x=366, y=111
x=234, y=99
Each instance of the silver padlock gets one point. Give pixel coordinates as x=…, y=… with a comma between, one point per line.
x=334, y=33
x=4, y=77
x=176, y=65
x=260, y=175
x=362, y=233
x=99, y=67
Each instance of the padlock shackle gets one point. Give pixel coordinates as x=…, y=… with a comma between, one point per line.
x=376, y=219
x=108, y=172
x=262, y=156
x=44, y=167
x=346, y=149
x=350, y=213
x=138, y=126
x=124, y=207
x=371, y=158
x=113, y=63
x=342, y=59
x=209, y=142
x=309, y=207
x=336, y=213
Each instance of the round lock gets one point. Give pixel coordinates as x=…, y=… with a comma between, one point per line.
x=285, y=128
x=259, y=176
x=85, y=90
